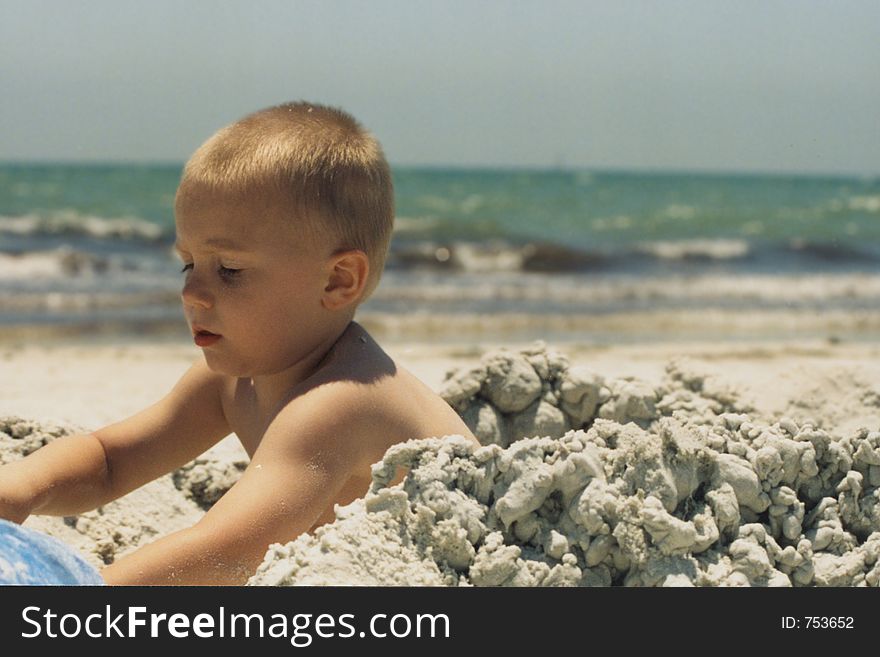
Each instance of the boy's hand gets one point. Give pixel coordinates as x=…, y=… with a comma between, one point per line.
x=13, y=506
x=12, y=514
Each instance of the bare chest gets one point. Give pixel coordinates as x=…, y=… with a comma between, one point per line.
x=249, y=435
x=244, y=418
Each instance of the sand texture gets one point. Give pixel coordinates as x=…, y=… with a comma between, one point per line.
x=582, y=479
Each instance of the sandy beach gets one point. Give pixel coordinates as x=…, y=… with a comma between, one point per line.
x=788, y=391
x=92, y=383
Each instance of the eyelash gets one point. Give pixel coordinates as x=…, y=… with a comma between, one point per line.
x=225, y=272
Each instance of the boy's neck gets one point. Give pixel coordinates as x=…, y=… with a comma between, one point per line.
x=271, y=390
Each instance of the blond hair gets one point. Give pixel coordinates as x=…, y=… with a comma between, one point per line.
x=324, y=165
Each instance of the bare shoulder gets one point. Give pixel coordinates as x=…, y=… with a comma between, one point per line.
x=383, y=404
x=344, y=418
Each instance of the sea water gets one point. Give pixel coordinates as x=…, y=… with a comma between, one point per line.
x=88, y=247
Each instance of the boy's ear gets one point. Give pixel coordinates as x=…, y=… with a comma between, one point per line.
x=348, y=272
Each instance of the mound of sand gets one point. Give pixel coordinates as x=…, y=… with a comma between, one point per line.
x=581, y=480
x=630, y=484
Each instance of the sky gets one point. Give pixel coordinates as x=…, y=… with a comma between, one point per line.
x=687, y=85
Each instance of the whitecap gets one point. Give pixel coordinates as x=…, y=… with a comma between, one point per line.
x=712, y=249
x=71, y=222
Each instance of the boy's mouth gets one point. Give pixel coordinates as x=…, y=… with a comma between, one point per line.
x=204, y=338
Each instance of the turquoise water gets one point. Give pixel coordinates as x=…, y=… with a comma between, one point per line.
x=585, y=209
x=111, y=191
x=89, y=244
x=576, y=208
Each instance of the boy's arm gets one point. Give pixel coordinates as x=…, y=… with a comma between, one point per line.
x=65, y=476
x=165, y=436
x=304, y=459
x=78, y=473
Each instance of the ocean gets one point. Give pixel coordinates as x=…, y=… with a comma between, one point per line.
x=484, y=254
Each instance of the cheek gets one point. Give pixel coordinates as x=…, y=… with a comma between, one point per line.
x=272, y=315
x=302, y=289
x=273, y=305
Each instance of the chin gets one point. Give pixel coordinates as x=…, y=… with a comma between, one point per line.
x=221, y=365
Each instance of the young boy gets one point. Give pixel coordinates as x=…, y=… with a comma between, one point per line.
x=283, y=221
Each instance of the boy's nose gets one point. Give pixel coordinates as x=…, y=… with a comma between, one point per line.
x=195, y=294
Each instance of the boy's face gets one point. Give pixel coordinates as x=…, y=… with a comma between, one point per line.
x=254, y=279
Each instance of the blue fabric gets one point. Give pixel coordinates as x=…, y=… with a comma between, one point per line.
x=28, y=557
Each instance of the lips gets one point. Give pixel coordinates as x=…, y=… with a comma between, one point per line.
x=203, y=337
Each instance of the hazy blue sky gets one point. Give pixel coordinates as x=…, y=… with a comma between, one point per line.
x=691, y=84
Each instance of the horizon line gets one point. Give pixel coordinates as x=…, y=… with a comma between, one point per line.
x=537, y=168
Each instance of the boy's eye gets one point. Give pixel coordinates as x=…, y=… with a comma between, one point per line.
x=225, y=272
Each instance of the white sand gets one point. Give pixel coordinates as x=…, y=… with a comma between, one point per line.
x=831, y=387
